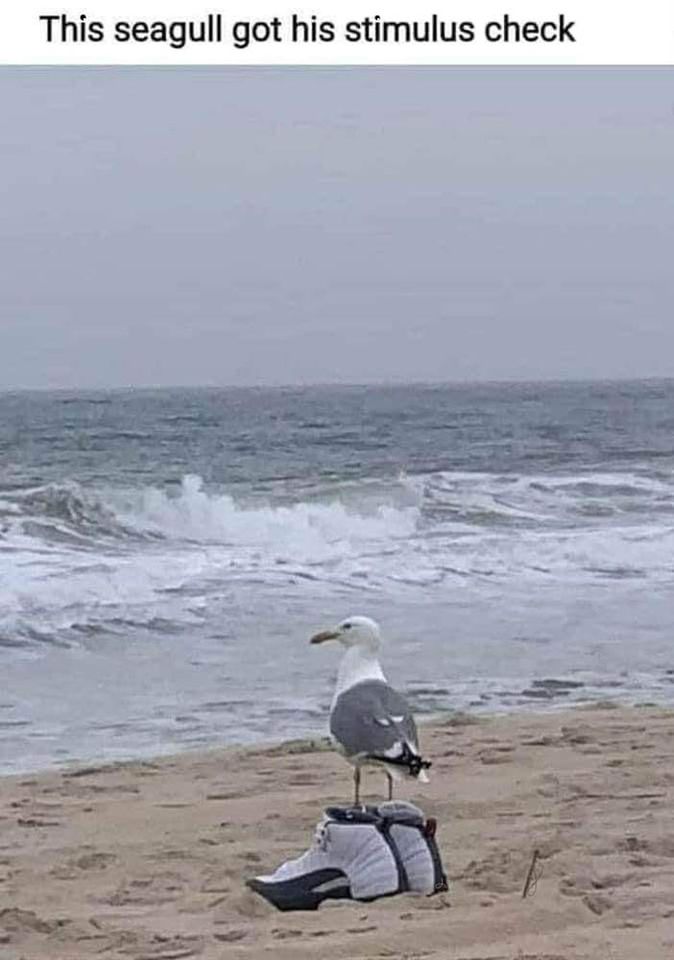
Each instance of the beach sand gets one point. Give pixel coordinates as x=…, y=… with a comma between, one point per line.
x=148, y=859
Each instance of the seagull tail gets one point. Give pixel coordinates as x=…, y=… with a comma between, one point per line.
x=407, y=763
x=418, y=767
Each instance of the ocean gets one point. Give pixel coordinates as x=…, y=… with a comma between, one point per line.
x=166, y=554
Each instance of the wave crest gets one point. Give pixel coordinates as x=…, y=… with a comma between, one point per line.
x=73, y=558
x=198, y=516
x=59, y=512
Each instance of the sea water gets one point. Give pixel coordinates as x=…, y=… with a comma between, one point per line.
x=166, y=554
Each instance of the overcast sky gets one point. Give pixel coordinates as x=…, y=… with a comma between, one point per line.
x=244, y=226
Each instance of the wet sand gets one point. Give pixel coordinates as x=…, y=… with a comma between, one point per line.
x=147, y=860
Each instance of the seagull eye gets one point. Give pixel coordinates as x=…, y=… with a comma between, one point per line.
x=347, y=626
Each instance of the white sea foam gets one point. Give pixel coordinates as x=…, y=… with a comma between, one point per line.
x=306, y=530
x=72, y=556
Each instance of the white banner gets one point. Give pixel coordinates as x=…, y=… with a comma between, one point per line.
x=179, y=32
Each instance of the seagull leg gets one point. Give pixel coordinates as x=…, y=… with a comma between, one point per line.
x=390, y=785
x=356, y=786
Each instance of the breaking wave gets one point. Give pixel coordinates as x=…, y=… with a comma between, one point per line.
x=193, y=515
x=74, y=559
x=308, y=526
x=365, y=510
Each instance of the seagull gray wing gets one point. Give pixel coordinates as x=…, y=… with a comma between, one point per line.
x=372, y=719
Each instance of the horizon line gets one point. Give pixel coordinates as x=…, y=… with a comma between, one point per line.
x=332, y=384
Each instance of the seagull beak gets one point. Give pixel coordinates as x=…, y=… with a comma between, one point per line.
x=324, y=636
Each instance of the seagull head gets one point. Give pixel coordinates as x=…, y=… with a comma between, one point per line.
x=353, y=632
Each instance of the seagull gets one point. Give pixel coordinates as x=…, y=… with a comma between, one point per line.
x=371, y=722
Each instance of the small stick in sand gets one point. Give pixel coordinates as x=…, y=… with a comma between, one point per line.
x=532, y=876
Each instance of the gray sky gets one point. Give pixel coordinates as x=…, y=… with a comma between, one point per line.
x=236, y=226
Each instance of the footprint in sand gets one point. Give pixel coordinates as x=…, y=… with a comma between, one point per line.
x=597, y=903
x=278, y=933
x=158, y=889
x=15, y=922
x=494, y=755
x=87, y=861
x=166, y=952
x=230, y=936
x=96, y=860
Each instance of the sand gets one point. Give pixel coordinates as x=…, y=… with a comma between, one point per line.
x=148, y=859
